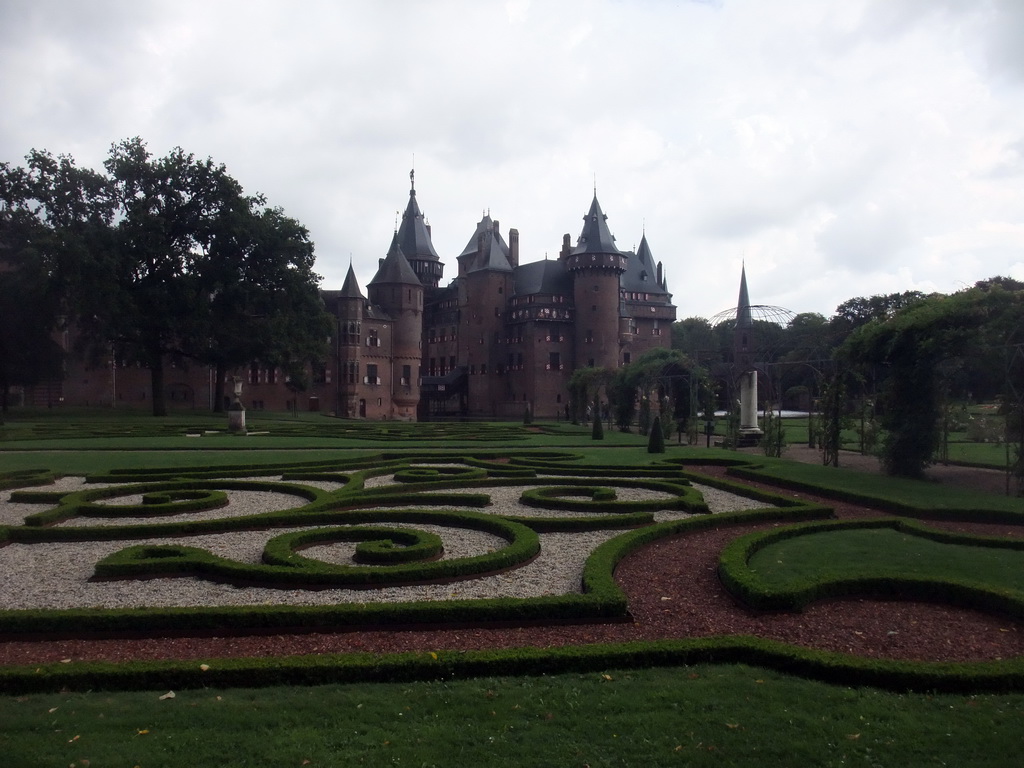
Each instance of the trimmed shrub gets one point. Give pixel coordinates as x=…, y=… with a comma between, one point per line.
x=656, y=441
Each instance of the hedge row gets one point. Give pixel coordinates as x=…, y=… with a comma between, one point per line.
x=601, y=499
x=282, y=567
x=318, y=669
x=25, y=478
x=598, y=572
x=746, y=586
x=82, y=502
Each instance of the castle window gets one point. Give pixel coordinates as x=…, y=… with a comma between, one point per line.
x=626, y=357
x=483, y=367
x=406, y=375
x=372, y=339
x=554, y=361
x=589, y=337
x=371, y=374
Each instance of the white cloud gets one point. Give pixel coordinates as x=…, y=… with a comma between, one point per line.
x=841, y=149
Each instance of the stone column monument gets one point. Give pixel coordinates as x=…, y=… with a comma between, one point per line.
x=749, y=431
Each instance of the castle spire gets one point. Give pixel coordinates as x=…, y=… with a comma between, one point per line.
x=414, y=238
x=595, y=237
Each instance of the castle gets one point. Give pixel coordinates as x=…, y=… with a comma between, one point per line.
x=501, y=338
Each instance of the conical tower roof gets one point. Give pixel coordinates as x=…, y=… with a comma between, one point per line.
x=350, y=290
x=413, y=235
x=394, y=268
x=643, y=253
x=596, y=237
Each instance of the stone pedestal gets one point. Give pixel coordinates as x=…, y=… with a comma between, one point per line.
x=236, y=419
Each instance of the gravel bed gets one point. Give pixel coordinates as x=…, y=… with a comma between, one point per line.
x=673, y=591
x=52, y=576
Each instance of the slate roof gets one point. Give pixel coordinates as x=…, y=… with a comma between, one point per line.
x=641, y=273
x=395, y=268
x=545, y=277
x=350, y=290
x=412, y=233
x=595, y=237
x=494, y=253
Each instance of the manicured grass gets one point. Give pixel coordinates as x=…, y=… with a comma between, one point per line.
x=884, y=552
x=683, y=716
x=913, y=493
x=988, y=454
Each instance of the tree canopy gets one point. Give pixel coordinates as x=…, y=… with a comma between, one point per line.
x=159, y=258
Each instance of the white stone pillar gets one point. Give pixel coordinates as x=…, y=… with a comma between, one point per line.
x=748, y=403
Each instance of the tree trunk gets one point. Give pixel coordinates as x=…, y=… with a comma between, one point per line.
x=218, y=387
x=156, y=370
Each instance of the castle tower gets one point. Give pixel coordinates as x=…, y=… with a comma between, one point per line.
x=414, y=239
x=397, y=291
x=350, y=321
x=487, y=343
x=595, y=265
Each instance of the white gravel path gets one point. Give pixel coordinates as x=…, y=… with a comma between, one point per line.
x=53, y=576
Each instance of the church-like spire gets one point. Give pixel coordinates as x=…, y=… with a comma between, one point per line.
x=744, y=317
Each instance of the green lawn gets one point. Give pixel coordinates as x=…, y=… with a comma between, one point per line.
x=880, y=552
x=684, y=716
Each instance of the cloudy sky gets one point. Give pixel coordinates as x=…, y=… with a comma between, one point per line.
x=839, y=149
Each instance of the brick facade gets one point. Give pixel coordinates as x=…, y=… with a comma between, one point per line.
x=501, y=337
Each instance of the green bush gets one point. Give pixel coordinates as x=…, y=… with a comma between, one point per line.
x=656, y=441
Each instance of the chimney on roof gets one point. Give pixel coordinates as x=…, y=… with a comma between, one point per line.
x=513, y=247
x=494, y=226
x=566, y=247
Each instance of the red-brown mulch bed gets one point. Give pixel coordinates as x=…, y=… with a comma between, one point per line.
x=673, y=591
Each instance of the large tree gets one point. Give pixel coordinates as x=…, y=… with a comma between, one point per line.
x=262, y=301
x=51, y=212
x=166, y=257
x=916, y=344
